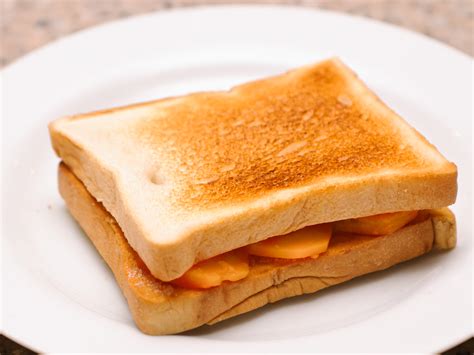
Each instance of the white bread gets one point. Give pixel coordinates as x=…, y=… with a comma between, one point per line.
x=160, y=308
x=191, y=177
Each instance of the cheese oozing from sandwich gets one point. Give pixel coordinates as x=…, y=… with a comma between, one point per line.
x=381, y=224
x=307, y=242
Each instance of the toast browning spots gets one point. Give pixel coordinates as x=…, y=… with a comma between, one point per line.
x=199, y=203
x=277, y=133
x=192, y=177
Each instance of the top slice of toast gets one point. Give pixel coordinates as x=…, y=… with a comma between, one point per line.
x=191, y=177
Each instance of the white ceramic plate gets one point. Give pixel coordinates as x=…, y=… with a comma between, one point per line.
x=59, y=295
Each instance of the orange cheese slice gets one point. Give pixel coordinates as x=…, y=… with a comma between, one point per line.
x=231, y=266
x=380, y=224
x=307, y=242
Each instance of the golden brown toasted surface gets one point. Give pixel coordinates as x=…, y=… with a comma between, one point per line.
x=185, y=176
x=161, y=308
x=258, y=138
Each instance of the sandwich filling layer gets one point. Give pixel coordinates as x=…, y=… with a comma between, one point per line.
x=309, y=242
x=163, y=308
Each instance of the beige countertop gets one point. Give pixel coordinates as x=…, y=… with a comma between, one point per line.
x=29, y=24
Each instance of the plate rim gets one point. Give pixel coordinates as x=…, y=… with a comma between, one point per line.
x=206, y=7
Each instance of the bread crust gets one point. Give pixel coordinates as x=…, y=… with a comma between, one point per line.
x=185, y=176
x=160, y=308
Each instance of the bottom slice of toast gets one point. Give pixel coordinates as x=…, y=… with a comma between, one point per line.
x=161, y=308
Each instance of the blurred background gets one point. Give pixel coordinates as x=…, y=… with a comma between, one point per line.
x=29, y=24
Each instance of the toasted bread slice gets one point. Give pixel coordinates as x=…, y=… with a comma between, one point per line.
x=161, y=308
x=192, y=177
